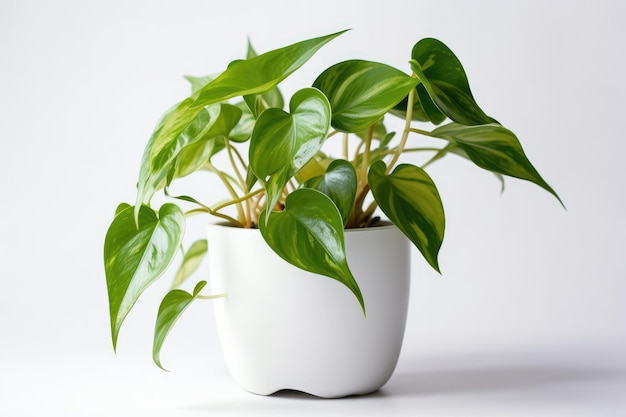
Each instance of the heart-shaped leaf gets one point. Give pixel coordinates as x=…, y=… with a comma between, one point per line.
x=191, y=261
x=135, y=256
x=409, y=198
x=309, y=235
x=171, y=308
x=361, y=92
x=282, y=142
x=443, y=77
x=494, y=148
x=339, y=183
x=424, y=110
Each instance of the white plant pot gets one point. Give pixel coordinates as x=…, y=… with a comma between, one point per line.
x=284, y=328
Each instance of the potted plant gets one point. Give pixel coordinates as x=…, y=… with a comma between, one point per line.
x=292, y=201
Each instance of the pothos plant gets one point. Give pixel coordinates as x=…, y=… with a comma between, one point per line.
x=279, y=179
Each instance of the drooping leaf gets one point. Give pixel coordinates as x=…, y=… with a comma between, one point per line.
x=339, y=183
x=160, y=154
x=191, y=261
x=410, y=199
x=456, y=150
x=193, y=156
x=494, y=148
x=171, y=308
x=282, y=142
x=361, y=92
x=443, y=77
x=309, y=235
x=135, y=256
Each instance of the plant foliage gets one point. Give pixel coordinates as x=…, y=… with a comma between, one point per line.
x=299, y=197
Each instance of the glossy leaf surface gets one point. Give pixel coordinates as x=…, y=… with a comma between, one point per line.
x=409, y=198
x=361, y=92
x=494, y=148
x=260, y=73
x=309, y=235
x=339, y=183
x=134, y=257
x=443, y=77
x=161, y=152
x=191, y=261
x=282, y=142
x=244, y=77
x=173, y=305
x=193, y=156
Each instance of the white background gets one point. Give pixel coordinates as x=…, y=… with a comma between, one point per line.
x=528, y=318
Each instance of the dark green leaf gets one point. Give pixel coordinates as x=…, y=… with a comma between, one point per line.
x=134, y=257
x=443, y=77
x=172, y=306
x=361, y=92
x=424, y=110
x=339, y=184
x=309, y=235
x=494, y=148
x=282, y=142
x=409, y=198
x=191, y=260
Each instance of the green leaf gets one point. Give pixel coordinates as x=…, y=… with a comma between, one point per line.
x=161, y=152
x=242, y=131
x=134, y=257
x=409, y=198
x=171, y=308
x=260, y=73
x=361, y=92
x=282, y=142
x=339, y=183
x=270, y=98
x=494, y=148
x=198, y=82
x=309, y=235
x=244, y=77
x=191, y=261
x=424, y=110
x=443, y=77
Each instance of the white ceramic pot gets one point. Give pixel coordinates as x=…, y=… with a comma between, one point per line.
x=284, y=328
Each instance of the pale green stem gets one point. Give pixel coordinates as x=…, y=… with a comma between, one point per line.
x=238, y=200
x=345, y=146
x=405, y=133
x=231, y=190
x=212, y=297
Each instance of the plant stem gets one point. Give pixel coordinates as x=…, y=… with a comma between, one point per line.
x=345, y=146
x=212, y=297
x=405, y=132
x=231, y=190
x=214, y=213
x=238, y=200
